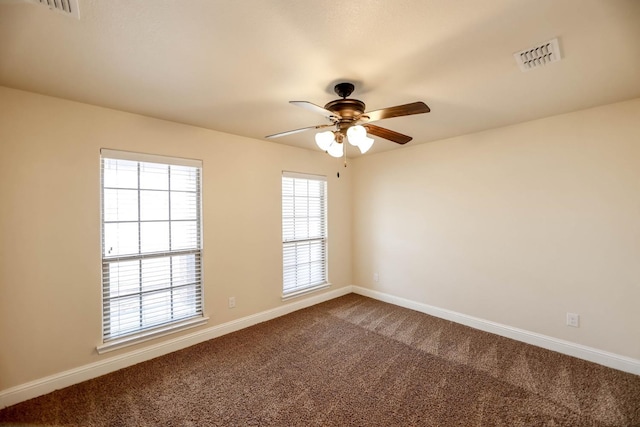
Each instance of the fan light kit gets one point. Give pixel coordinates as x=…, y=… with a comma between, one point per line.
x=332, y=141
x=350, y=120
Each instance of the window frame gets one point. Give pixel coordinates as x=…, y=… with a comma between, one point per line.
x=195, y=303
x=301, y=289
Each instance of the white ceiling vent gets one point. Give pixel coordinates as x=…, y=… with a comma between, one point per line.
x=538, y=56
x=66, y=7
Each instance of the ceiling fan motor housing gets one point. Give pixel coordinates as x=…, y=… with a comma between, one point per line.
x=349, y=111
x=346, y=108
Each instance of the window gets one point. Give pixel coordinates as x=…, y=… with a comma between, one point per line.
x=151, y=244
x=304, y=232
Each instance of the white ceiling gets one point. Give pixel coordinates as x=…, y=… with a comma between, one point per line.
x=233, y=65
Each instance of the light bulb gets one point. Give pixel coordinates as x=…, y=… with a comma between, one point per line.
x=336, y=149
x=324, y=139
x=356, y=135
x=365, y=144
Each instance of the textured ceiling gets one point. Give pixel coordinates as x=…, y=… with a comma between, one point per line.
x=233, y=66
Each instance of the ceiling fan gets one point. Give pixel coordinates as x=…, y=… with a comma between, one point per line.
x=349, y=119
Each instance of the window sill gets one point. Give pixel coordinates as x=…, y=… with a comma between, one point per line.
x=304, y=291
x=133, y=339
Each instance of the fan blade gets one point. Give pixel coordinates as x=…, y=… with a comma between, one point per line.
x=397, y=111
x=387, y=134
x=291, y=132
x=315, y=108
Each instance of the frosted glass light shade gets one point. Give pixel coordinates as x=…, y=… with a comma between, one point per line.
x=336, y=149
x=356, y=135
x=365, y=145
x=324, y=139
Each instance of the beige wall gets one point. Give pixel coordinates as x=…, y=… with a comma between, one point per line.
x=516, y=225
x=50, y=224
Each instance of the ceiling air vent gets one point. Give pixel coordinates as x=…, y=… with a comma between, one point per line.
x=538, y=56
x=66, y=7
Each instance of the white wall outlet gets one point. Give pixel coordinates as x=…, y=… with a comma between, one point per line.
x=376, y=277
x=573, y=320
x=232, y=302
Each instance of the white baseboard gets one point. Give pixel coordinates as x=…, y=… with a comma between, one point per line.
x=60, y=380
x=590, y=354
x=54, y=382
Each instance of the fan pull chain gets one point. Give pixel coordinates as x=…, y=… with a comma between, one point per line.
x=344, y=150
x=345, y=153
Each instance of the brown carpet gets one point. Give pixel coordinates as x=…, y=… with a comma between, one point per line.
x=349, y=361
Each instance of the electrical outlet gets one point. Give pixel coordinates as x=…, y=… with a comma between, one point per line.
x=573, y=320
x=232, y=302
x=376, y=277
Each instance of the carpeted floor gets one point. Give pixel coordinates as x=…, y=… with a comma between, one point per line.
x=349, y=361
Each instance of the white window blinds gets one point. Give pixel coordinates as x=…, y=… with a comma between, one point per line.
x=151, y=242
x=304, y=231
